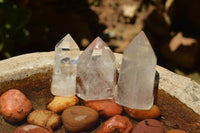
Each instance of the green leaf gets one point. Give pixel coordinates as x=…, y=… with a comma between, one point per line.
x=13, y=19
x=8, y=26
x=7, y=54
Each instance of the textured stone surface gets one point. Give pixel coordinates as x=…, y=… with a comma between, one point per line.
x=64, y=72
x=136, y=79
x=23, y=66
x=183, y=88
x=96, y=73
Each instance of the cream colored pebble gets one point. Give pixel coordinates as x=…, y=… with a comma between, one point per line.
x=44, y=118
x=59, y=103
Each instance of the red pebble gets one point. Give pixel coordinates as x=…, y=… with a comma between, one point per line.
x=118, y=124
x=32, y=129
x=106, y=108
x=14, y=105
x=148, y=126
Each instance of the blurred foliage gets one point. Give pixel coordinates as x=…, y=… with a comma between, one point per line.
x=13, y=19
x=96, y=2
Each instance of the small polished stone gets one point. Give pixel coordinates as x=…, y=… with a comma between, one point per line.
x=79, y=118
x=14, y=105
x=44, y=118
x=149, y=126
x=176, y=131
x=116, y=124
x=152, y=113
x=106, y=108
x=32, y=129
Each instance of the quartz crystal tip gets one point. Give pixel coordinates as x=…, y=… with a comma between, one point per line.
x=97, y=43
x=136, y=79
x=64, y=72
x=96, y=73
x=67, y=43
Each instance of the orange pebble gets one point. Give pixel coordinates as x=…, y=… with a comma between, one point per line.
x=176, y=131
x=106, y=108
x=152, y=113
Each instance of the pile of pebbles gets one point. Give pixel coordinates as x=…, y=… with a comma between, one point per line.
x=78, y=116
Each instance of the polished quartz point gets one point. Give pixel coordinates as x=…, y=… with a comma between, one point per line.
x=136, y=79
x=96, y=73
x=64, y=73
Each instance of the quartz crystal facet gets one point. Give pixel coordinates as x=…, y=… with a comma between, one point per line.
x=64, y=73
x=96, y=73
x=136, y=80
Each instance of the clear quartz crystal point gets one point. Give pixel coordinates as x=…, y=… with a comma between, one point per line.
x=64, y=73
x=137, y=73
x=96, y=72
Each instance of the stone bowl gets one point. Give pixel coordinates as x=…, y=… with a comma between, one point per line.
x=178, y=97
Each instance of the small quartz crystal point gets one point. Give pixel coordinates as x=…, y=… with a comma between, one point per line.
x=64, y=73
x=137, y=73
x=96, y=72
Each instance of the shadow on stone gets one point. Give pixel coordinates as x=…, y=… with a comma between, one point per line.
x=156, y=84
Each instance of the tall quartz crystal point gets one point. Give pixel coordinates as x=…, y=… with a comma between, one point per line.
x=64, y=73
x=136, y=80
x=96, y=73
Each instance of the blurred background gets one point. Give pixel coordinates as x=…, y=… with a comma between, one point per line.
x=172, y=26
